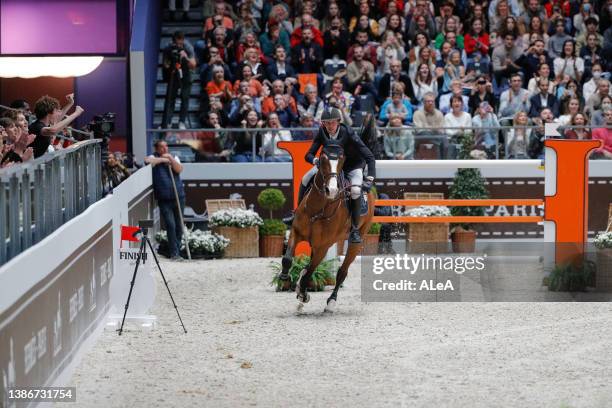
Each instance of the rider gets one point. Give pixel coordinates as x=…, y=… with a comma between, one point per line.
x=357, y=155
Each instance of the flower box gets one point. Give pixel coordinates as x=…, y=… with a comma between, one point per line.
x=427, y=237
x=241, y=227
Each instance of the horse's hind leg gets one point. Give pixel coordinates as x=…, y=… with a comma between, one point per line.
x=351, y=254
x=288, y=257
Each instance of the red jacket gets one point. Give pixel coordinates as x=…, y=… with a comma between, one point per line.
x=296, y=36
x=469, y=43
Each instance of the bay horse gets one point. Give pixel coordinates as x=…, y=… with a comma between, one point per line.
x=322, y=219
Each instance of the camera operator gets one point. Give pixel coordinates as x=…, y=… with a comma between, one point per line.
x=179, y=60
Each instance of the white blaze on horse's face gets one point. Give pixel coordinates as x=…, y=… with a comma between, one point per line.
x=332, y=184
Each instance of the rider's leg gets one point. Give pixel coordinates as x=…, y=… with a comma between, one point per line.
x=356, y=179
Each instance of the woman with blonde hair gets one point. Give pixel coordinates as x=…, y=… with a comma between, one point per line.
x=518, y=137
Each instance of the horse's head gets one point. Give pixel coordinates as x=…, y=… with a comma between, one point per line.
x=331, y=161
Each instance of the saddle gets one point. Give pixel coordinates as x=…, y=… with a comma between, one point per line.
x=345, y=184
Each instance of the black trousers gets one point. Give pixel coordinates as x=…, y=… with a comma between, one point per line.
x=176, y=83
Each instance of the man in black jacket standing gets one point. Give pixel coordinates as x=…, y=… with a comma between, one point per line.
x=356, y=154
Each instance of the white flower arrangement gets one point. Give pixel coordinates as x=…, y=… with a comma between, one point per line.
x=428, y=211
x=200, y=242
x=603, y=240
x=235, y=217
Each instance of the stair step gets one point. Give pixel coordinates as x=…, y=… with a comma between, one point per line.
x=194, y=104
x=160, y=89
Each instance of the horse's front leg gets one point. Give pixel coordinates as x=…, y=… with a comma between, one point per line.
x=288, y=257
x=318, y=253
x=351, y=254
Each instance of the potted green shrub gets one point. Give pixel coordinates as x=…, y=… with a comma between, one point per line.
x=370, y=240
x=467, y=184
x=272, y=232
x=322, y=276
x=603, y=243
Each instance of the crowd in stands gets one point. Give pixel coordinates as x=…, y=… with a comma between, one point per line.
x=25, y=135
x=429, y=70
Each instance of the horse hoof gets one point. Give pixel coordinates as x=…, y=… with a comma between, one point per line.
x=300, y=308
x=331, y=306
x=303, y=297
x=283, y=276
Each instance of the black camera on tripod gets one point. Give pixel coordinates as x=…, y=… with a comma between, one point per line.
x=102, y=125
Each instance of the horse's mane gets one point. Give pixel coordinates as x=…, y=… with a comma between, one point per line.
x=369, y=134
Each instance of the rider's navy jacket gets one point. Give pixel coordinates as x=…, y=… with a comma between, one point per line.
x=356, y=153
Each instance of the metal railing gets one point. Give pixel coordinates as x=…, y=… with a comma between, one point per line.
x=38, y=196
x=446, y=145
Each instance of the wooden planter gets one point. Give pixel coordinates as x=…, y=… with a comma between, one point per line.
x=603, y=275
x=271, y=246
x=370, y=244
x=426, y=238
x=244, y=242
x=464, y=241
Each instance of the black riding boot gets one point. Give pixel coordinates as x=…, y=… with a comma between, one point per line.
x=354, y=236
x=289, y=220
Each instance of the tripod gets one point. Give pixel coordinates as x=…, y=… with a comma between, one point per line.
x=141, y=253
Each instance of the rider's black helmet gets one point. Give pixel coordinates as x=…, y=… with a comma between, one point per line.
x=331, y=114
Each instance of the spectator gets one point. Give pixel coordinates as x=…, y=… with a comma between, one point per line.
x=586, y=16
x=421, y=25
x=363, y=21
x=307, y=54
x=253, y=85
x=342, y=100
x=314, y=35
x=392, y=13
x=219, y=19
x=270, y=151
x=220, y=88
x=166, y=166
x=14, y=143
x=589, y=87
x=278, y=88
x=424, y=83
x=242, y=104
x=213, y=145
x=284, y=115
x=249, y=140
x=504, y=59
x=568, y=64
x=362, y=38
x=447, y=21
x=457, y=118
x=178, y=61
x=605, y=135
x=454, y=70
x=566, y=90
x=398, y=143
x=482, y=92
x=274, y=37
x=335, y=40
x=429, y=120
x=310, y=104
x=597, y=117
x=279, y=68
x=360, y=74
x=543, y=100
x=535, y=149
x=477, y=43
x=543, y=72
x=398, y=104
x=333, y=11
x=214, y=59
x=580, y=133
x=456, y=90
x=603, y=89
x=514, y=99
x=570, y=109
x=499, y=11
x=591, y=52
x=390, y=49
x=247, y=24
x=533, y=9
x=50, y=121
x=450, y=26
x=556, y=43
x=487, y=137
x=518, y=137
x=536, y=26
x=394, y=76
x=254, y=61
x=306, y=121
x=249, y=40
x=591, y=29
x=532, y=61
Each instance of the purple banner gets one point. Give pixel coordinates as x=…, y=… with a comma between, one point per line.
x=58, y=27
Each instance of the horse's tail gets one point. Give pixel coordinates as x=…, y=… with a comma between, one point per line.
x=369, y=134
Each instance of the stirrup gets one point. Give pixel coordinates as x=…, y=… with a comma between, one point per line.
x=289, y=219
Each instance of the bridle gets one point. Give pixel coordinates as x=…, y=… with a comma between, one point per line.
x=320, y=215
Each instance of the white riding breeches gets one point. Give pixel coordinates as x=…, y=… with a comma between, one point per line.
x=355, y=177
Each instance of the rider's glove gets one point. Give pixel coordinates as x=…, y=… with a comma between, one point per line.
x=367, y=184
x=315, y=161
